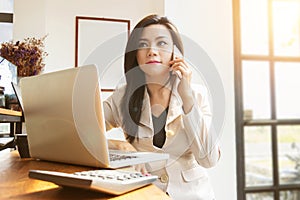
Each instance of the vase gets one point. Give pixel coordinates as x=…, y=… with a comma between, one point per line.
x=18, y=79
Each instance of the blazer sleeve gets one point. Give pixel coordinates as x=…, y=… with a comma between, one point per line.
x=108, y=114
x=200, y=133
x=111, y=108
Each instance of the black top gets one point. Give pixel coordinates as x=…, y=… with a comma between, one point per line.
x=159, y=123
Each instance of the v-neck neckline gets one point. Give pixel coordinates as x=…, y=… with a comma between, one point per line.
x=163, y=113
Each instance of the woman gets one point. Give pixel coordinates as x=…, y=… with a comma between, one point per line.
x=160, y=111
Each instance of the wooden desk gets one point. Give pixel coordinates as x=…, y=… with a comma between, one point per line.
x=15, y=184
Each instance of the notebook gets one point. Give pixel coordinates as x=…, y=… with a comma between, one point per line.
x=65, y=120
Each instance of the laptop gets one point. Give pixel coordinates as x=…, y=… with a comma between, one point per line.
x=65, y=120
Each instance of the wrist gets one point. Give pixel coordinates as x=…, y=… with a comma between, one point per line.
x=187, y=101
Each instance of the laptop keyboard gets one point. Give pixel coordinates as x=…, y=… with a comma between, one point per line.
x=114, y=157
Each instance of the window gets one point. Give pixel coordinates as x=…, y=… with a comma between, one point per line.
x=6, y=34
x=6, y=20
x=267, y=83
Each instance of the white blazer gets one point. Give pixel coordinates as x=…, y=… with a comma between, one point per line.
x=191, y=146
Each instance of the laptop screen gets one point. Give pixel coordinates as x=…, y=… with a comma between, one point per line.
x=64, y=118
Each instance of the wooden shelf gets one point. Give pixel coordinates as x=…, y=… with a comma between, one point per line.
x=4, y=111
x=15, y=119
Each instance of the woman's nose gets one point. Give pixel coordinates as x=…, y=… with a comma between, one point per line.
x=152, y=51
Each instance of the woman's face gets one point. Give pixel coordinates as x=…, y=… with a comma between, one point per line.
x=155, y=49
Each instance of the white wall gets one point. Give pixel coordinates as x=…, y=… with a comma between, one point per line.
x=209, y=23
x=29, y=22
x=57, y=19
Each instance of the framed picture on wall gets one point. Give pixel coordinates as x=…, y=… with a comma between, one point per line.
x=102, y=41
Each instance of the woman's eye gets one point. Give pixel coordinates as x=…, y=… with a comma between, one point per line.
x=162, y=43
x=143, y=45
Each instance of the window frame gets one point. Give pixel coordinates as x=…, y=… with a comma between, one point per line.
x=276, y=188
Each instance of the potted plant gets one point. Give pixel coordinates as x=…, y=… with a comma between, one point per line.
x=27, y=55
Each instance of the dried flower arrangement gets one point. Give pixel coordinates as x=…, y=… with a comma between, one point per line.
x=27, y=55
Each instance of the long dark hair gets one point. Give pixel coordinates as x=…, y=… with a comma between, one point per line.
x=132, y=101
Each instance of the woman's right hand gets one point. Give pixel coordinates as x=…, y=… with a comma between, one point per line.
x=126, y=146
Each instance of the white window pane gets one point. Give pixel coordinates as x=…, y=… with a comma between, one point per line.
x=258, y=156
x=254, y=27
x=4, y=129
x=287, y=84
x=290, y=195
x=260, y=196
x=256, y=91
x=289, y=154
x=6, y=32
x=6, y=6
x=286, y=28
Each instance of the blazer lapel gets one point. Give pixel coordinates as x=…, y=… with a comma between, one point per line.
x=175, y=108
x=146, y=118
x=175, y=105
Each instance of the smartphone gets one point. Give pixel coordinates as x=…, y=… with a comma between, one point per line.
x=176, y=53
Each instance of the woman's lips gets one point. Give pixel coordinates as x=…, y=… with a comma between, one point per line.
x=153, y=62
